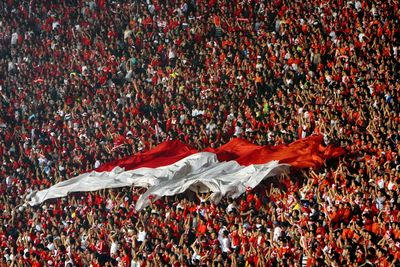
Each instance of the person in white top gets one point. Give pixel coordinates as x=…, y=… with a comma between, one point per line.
x=225, y=242
x=141, y=237
x=231, y=206
x=113, y=247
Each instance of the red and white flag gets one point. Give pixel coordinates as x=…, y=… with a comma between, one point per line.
x=173, y=167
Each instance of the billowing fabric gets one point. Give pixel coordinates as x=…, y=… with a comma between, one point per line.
x=173, y=167
x=197, y=172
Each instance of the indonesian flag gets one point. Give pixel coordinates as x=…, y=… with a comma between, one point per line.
x=172, y=168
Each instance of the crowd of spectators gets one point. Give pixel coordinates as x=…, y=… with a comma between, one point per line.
x=84, y=82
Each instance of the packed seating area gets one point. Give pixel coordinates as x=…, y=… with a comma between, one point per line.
x=85, y=82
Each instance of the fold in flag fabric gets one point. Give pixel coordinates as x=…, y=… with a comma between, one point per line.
x=173, y=167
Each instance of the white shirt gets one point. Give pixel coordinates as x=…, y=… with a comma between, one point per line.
x=97, y=164
x=220, y=237
x=171, y=54
x=390, y=185
x=381, y=183
x=238, y=131
x=11, y=66
x=380, y=201
x=357, y=5
x=230, y=207
x=225, y=244
x=197, y=112
x=134, y=263
x=14, y=38
x=113, y=249
x=109, y=204
x=141, y=236
x=277, y=233
x=210, y=127
x=51, y=246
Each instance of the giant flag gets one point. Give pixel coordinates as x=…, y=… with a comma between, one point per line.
x=173, y=167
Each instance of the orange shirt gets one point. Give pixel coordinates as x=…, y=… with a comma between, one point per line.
x=376, y=229
x=334, y=217
x=346, y=214
x=382, y=262
x=396, y=234
x=201, y=229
